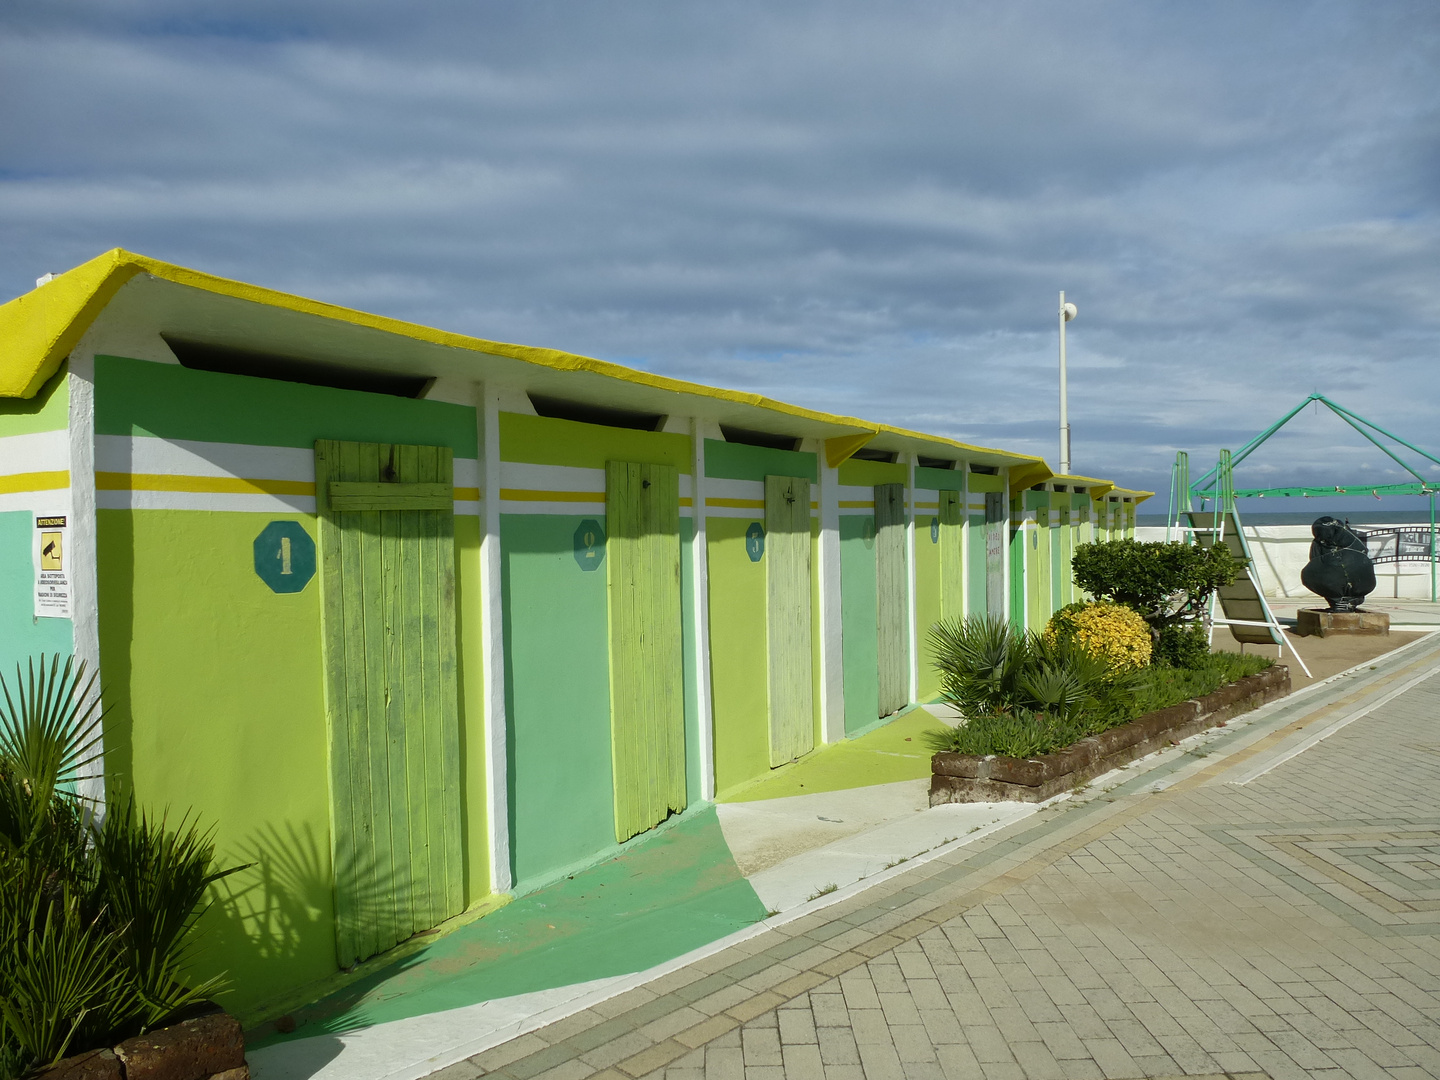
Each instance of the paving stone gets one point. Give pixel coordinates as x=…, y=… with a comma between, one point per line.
x=1134, y=934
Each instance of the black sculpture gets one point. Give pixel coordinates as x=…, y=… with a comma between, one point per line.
x=1339, y=569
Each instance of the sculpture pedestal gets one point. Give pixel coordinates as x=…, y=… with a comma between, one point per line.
x=1319, y=622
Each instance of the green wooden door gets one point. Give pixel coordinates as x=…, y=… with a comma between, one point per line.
x=787, y=617
x=891, y=599
x=952, y=556
x=995, y=534
x=387, y=590
x=647, y=703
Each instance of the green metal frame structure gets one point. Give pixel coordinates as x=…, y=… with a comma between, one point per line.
x=1218, y=483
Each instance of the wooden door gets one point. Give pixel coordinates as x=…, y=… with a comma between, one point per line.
x=787, y=617
x=891, y=599
x=952, y=555
x=995, y=533
x=647, y=702
x=387, y=589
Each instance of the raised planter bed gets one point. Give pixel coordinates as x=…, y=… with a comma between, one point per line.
x=208, y=1047
x=966, y=778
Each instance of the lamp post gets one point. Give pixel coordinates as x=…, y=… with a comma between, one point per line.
x=1067, y=312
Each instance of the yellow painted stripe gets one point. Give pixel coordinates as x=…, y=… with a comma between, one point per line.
x=223, y=485
x=34, y=481
x=857, y=504
x=220, y=485
x=738, y=504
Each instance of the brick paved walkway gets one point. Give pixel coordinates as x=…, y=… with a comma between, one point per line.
x=1177, y=924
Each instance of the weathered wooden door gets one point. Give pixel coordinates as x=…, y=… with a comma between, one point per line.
x=647, y=703
x=995, y=533
x=891, y=599
x=952, y=555
x=787, y=617
x=387, y=589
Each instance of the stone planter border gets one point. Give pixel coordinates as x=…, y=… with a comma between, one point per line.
x=208, y=1047
x=967, y=778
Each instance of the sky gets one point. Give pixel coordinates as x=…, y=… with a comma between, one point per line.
x=864, y=208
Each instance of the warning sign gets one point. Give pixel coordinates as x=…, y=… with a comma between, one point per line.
x=52, y=569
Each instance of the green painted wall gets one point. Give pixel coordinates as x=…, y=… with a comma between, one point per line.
x=48, y=410
x=738, y=658
x=975, y=567
x=21, y=634
x=985, y=482
x=737, y=461
x=543, y=440
x=859, y=647
x=215, y=682
x=870, y=473
x=136, y=397
x=935, y=479
x=557, y=694
x=218, y=707
x=927, y=598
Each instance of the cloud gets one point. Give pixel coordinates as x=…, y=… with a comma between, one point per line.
x=855, y=207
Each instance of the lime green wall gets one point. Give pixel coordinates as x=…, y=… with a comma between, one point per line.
x=49, y=410
x=985, y=482
x=858, y=642
x=870, y=473
x=737, y=461
x=218, y=708
x=927, y=598
x=543, y=440
x=136, y=397
x=738, y=658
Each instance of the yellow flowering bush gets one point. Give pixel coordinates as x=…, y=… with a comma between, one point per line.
x=1111, y=632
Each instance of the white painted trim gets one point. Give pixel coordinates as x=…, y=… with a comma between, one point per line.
x=832, y=674
x=700, y=575
x=964, y=538
x=910, y=578
x=492, y=639
x=1008, y=602
x=84, y=571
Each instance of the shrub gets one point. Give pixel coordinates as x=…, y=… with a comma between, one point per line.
x=1020, y=733
x=1111, y=632
x=1166, y=583
x=96, y=918
x=1182, y=645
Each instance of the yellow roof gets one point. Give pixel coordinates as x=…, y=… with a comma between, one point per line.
x=39, y=329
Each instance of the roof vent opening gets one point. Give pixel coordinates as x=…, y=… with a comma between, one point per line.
x=865, y=453
x=1079, y=490
x=986, y=470
x=935, y=462
x=224, y=360
x=1059, y=487
x=1038, y=487
x=767, y=439
x=584, y=412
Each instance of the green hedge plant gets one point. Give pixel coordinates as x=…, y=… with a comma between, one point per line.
x=1167, y=583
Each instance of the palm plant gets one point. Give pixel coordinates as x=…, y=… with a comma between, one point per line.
x=97, y=918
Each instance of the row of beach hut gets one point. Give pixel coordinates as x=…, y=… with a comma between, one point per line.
x=424, y=619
